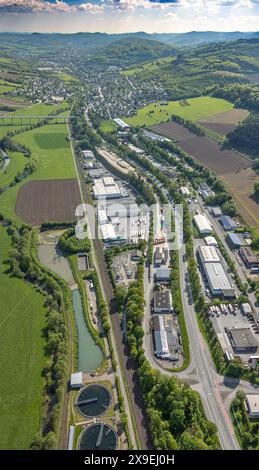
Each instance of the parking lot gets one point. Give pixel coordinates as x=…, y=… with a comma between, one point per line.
x=227, y=317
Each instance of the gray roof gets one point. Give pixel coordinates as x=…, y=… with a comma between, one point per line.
x=162, y=300
x=163, y=273
x=243, y=339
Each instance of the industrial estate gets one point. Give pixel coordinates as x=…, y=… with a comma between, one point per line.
x=129, y=243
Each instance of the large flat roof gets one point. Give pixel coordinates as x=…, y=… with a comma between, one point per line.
x=202, y=223
x=162, y=300
x=243, y=338
x=253, y=403
x=163, y=273
x=108, y=232
x=161, y=344
x=217, y=276
x=209, y=254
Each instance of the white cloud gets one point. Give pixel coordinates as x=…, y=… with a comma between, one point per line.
x=37, y=6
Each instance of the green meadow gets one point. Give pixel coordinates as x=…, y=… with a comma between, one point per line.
x=22, y=356
x=192, y=109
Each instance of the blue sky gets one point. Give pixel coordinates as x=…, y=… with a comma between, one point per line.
x=129, y=15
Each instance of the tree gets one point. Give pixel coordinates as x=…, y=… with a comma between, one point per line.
x=256, y=189
x=177, y=420
x=234, y=369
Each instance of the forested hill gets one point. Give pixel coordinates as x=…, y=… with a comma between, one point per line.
x=133, y=51
x=96, y=40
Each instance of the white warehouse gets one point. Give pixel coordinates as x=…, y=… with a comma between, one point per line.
x=218, y=280
x=106, y=188
x=203, y=224
x=160, y=338
x=209, y=254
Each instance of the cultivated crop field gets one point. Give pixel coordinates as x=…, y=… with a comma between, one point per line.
x=235, y=170
x=223, y=123
x=48, y=200
x=205, y=150
x=22, y=356
x=192, y=109
x=53, y=163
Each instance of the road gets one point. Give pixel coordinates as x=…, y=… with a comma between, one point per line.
x=126, y=369
x=200, y=374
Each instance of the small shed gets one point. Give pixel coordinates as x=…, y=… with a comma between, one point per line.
x=76, y=380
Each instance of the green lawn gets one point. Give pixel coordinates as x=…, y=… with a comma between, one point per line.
x=197, y=108
x=54, y=162
x=108, y=126
x=40, y=109
x=22, y=357
x=52, y=141
x=67, y=77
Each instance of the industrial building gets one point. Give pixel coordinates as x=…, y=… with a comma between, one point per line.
x=108, y=233
x=163, y=275
x=155, y=137
x=252, y=403
x=162, y=302
x=218, y=280
x=88, y=154
x=203, y=224
x=95, y=173
x=160, y=255
x=211, y=241
x=250, y=259
x=106, y=188
x=243, y=340
x=216, y=211
x=102, y=217
x=227, y=222
x=160, y=338
x=121, y=123
x=122, y=208
x=234, y=241
x=208, y=254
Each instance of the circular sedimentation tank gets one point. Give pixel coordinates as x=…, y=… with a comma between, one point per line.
x=99, y=436
x=93, y=400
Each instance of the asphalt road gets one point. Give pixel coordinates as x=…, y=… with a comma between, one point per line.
x=133, y=398
x=200, y=374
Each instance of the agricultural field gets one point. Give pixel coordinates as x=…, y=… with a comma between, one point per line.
x=38, y=201
x=231, y=167
x=223, y=123
x=22, y=356
x=53, y=163
x=13, y=103
x=193, y=109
